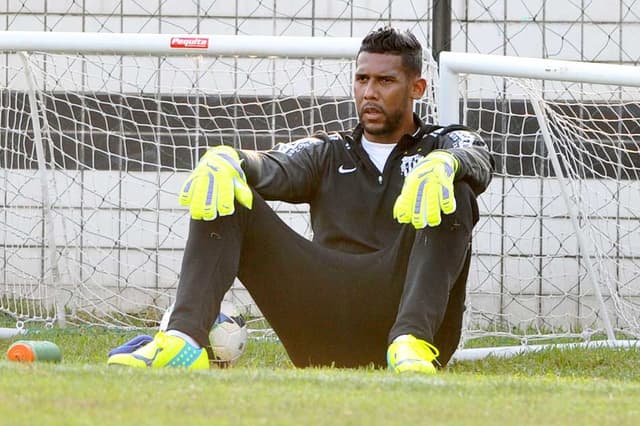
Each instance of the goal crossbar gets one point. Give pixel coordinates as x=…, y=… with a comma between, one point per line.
x=453, y=64
x=180, y=44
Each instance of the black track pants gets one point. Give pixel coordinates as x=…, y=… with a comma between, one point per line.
x=330, y=307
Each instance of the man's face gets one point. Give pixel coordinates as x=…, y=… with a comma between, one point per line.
x=384, y=94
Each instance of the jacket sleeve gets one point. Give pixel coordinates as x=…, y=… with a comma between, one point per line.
x=288, y=172
x=475, y=162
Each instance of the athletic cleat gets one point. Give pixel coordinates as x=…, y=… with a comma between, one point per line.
x=408, y=354
x=163, y=351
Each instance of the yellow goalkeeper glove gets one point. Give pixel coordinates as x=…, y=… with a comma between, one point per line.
x=214, y=184
x=427, y=190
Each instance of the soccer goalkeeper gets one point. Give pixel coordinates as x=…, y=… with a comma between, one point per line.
x=393, y=206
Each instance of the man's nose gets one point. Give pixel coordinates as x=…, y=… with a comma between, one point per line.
x=370, y=90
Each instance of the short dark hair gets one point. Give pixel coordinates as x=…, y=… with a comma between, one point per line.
x=395, y=42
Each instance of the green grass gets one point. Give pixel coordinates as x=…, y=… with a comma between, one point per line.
x=553, y=387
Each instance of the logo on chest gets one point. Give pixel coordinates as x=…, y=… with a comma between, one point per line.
x=408, y=163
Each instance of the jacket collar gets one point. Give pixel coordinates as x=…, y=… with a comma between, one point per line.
x=406, y=140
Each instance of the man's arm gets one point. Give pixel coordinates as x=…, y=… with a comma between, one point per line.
x=288, y=172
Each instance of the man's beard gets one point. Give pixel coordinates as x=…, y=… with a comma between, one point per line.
x=388, y=126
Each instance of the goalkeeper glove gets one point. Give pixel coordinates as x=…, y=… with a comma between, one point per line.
x=427, y=190
x=214, y=184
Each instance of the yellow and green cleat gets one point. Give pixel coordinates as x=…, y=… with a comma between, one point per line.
x=409, y=354
x=163, y=351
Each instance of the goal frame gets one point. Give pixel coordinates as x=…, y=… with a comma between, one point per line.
x=146, y=45
x=453, y=66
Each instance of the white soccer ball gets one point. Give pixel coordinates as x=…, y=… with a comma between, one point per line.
x=228, y=335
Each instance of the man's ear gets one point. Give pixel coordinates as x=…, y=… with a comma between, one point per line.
x=418, y=87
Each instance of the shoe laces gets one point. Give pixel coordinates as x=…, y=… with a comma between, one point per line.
x=421, y=348
x=428, y=349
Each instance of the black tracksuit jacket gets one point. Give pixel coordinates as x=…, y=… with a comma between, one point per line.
x=351, y=202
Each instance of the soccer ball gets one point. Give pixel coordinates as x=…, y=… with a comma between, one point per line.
x=228, y=335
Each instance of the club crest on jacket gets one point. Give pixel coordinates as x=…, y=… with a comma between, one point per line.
x=408, y=163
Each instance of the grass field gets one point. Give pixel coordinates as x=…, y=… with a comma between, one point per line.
x=554, y=387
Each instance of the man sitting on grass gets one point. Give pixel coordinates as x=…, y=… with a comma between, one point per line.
x=393, y=206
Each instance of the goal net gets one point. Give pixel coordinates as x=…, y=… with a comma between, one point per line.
x=99, y=131
x=557, y=250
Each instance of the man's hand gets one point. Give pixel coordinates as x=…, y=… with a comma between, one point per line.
x=427, y=190
x=214, y=184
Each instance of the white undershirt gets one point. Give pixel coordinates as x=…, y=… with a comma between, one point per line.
x=378, y=152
